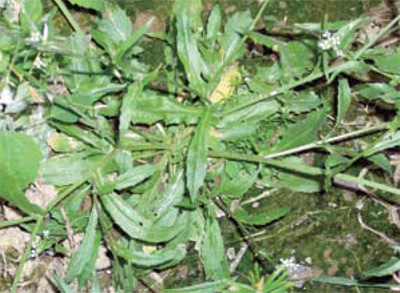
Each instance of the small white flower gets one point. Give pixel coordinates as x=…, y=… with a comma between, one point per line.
x=34, y=37
x=331, y=41
x=46, y=233
x=33, y=252
x=289, y=264
x=39, y=63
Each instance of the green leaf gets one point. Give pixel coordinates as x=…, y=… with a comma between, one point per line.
x=260, y=218
x=61, y=285
x=189, y=54
x=296, y=181
x=79, y=62
x=69, y=169
x=134, y=176
x=213, y=26
x=389, y=268
x=151, y=108
x=302, y=132
x=386, y=142
x=212, y=250
x=82, y=257
x=303, y=102
x=62, y=143
x=128, y=107
x=252, y=113
x=30, y=15
x=210, y=287
x=153, y=259
x=237, y=187
x=86, y=136
x=172, y=195
x=389, y=63
x=19, y=164
x=115, y=24
x=298, y=57
x=193, y=9
x=135, y=225
x=347, y=33
x=382, y=162
x=378, y=91
x=348, y=282
x=337, y=281
x=239, y=131
x=236, y=26
x=125, y=47
x=344, y=99
x=267, y=41
x=95, y=284
x=197, y=154
x=90, y=4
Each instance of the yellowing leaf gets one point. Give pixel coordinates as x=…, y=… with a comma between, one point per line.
x=215, y=133
x=148, y=249
x=226, y=85
x=61, y=143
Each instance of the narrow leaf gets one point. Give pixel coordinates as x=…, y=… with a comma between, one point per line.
x=210, y=287
x=212, y=251
x=134, y=91
x=82, y=257
x=213, y=25
x=189, y=53
x=197, y=154
x=61, y=285
x=134, y=176
x=131, y=41
x=344, y=99
x=156, y=258
x=390, y=267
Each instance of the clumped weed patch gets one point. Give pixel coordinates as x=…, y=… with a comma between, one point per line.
x=146, y=158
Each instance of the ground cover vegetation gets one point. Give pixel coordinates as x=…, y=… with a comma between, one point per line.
x=104, y=152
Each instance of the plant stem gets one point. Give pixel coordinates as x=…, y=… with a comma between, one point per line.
x=299, y=168
x=340, y=179
x=256, y=19
x=68, y=16
x=17, y=221
x=26, y=254
x=335, y=139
